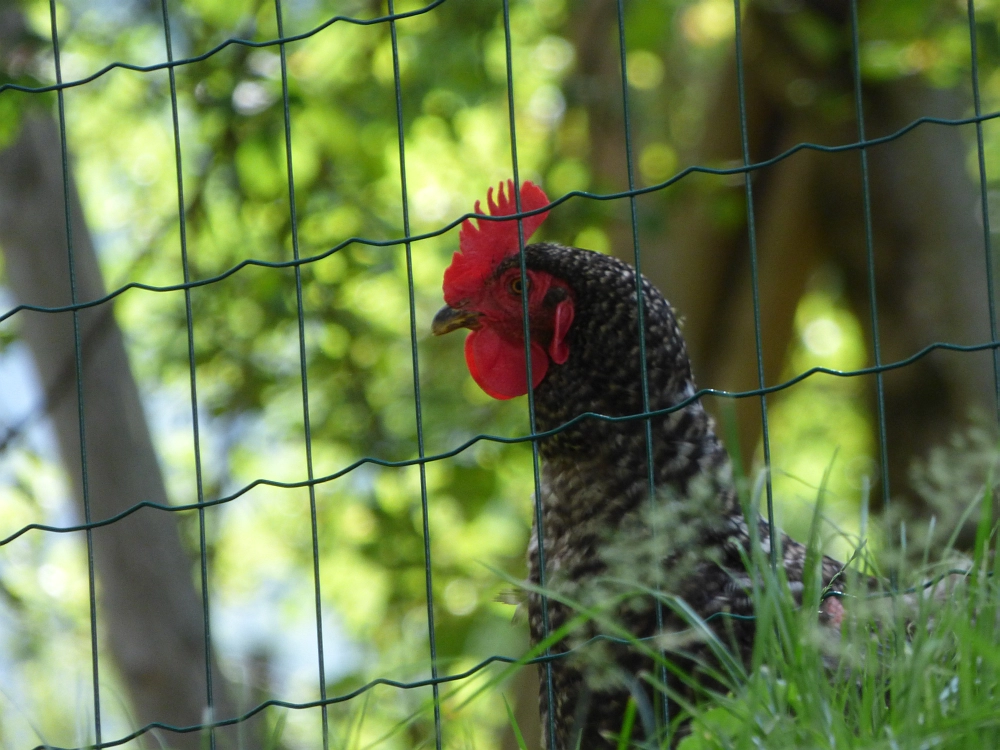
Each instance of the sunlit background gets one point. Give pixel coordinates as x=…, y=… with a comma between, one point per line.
x=357, y=323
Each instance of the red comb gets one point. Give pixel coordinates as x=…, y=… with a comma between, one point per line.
x=480, y=249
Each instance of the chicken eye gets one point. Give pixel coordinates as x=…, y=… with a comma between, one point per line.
x=516, y=286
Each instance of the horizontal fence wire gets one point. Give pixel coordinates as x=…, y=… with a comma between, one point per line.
x=378, y=682
x=375, y=461
x=459, y=676
x=370, y=242
x=60, y=85
x=862, y=145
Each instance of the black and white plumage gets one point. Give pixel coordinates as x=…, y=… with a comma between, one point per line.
x=595, y=487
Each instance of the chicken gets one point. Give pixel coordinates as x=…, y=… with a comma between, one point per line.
x=585, y=357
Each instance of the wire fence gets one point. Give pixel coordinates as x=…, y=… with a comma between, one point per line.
x=746, y=169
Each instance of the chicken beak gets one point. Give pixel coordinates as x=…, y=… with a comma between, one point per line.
x=449, y=319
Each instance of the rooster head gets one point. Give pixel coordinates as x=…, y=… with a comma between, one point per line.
x=483, y=290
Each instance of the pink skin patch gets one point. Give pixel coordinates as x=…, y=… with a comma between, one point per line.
x=558, y=349
x=831, y=612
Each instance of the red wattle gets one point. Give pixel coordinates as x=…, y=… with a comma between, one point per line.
x=497, y=365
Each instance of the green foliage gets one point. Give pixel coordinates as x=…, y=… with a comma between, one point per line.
x=823, y=415
x=357, y=337
x=913, y=664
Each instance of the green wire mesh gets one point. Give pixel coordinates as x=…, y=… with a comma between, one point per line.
x=746, y=169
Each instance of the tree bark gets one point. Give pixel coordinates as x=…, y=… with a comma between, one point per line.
x=149, y=614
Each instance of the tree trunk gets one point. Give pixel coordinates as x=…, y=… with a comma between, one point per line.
x=150, y=614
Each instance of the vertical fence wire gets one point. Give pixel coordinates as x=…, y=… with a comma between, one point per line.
x=640, y=299
x=189, y=318
x=754, y=282
x=984, y=201
x=870, y=252
x=415, y=356
x=195, y=427
x=532, y=426
x=78, y=364
x=304, y=377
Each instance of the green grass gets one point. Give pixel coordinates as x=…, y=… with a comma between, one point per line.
x=916, y=665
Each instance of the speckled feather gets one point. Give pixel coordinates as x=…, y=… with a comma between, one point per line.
x=595, y=482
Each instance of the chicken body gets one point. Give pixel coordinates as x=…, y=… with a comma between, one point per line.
x=595, y=487
x=597, y=512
